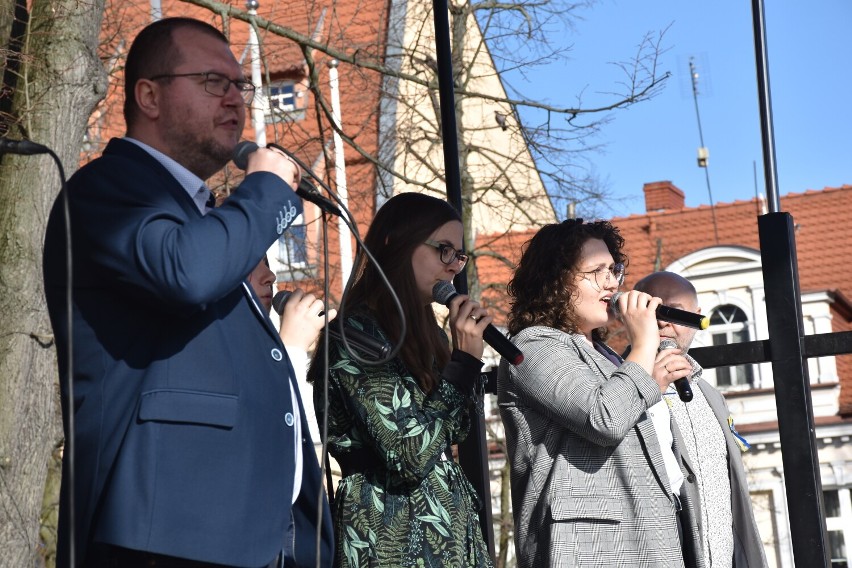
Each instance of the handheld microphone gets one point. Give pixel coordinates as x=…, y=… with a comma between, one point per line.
x=364, y=342
x=682, y=386
x=444, y=292
x=22, y=147
x=669, y=314
x=306, y=189
x=280, y=298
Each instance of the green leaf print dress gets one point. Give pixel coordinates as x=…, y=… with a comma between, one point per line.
x=401, y=502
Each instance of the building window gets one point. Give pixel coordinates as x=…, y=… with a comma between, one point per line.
x=838, y=522
x=728, y=324
x=285, y=102
x=292, y=245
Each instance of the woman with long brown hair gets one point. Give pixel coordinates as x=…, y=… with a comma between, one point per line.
x=403, y=501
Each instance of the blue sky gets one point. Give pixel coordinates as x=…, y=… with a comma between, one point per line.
x=810, y=64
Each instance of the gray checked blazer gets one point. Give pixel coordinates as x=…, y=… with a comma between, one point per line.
x=589, y=487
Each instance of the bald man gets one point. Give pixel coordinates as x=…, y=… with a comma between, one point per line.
x=729, y=533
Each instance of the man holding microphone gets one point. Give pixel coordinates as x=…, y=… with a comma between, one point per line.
x=180, y=409
x=729, y=532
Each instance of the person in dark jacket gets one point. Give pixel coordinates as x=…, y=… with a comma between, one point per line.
x=189, y=441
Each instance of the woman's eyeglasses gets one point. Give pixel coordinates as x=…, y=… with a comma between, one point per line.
x=449, y=255
x=602, y=275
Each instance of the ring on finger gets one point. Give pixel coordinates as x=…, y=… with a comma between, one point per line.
x=666, y=367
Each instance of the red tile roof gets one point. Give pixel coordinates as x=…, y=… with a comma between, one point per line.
x=820, y=244
x=671, y=234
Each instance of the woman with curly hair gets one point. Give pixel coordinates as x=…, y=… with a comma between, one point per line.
x=589, y=482
x=403, y=501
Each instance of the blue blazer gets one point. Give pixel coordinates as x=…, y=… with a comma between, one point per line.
x=184, y=435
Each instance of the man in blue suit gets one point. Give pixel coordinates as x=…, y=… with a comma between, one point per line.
x=190, y=442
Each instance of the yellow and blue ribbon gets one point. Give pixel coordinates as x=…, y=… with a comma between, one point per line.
x=741, y=442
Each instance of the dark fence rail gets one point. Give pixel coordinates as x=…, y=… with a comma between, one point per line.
x=818, y=345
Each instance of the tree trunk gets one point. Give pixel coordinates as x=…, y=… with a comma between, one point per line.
x=60, y=81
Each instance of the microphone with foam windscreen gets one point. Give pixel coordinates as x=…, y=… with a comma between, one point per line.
x=444, y=292
x=669, y=314
x=280, y=298
x=682, y=386
x=364, y=342
x=306, y=189
x=22, y=147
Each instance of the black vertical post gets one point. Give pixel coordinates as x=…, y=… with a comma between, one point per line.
x=473, y=458
x=449, y=128
x=796, y=429
x=792, y=390
x=473, y=452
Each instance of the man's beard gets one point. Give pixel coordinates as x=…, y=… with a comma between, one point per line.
x=202, y=156
x=211, y=156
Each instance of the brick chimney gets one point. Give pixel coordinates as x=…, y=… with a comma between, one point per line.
x=662, y=195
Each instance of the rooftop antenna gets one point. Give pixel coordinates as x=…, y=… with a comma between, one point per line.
x=703, y=152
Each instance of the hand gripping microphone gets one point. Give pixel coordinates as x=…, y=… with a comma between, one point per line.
x=364, y=342
x=306, y=189
x=444, y=292
x=671, y=315
x=682, y=386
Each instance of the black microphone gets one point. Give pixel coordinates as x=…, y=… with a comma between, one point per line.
x=280, y=298
x=22, y=147
x=682, y=386
x=369, y=345
x=444, y=292
x=669, y=314
x=308, y=192
x=306, y=189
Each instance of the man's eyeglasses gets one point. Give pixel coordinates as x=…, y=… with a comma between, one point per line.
x=449, y=255
x=602, y=275
x=216, y=84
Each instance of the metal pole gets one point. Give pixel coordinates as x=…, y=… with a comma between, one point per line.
x=258, y=109
x=767, y=130
x=473, y=452
x=793, y=390
x=702, y=151
x=449, y=128
x=340, y=173
x=786, y=335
